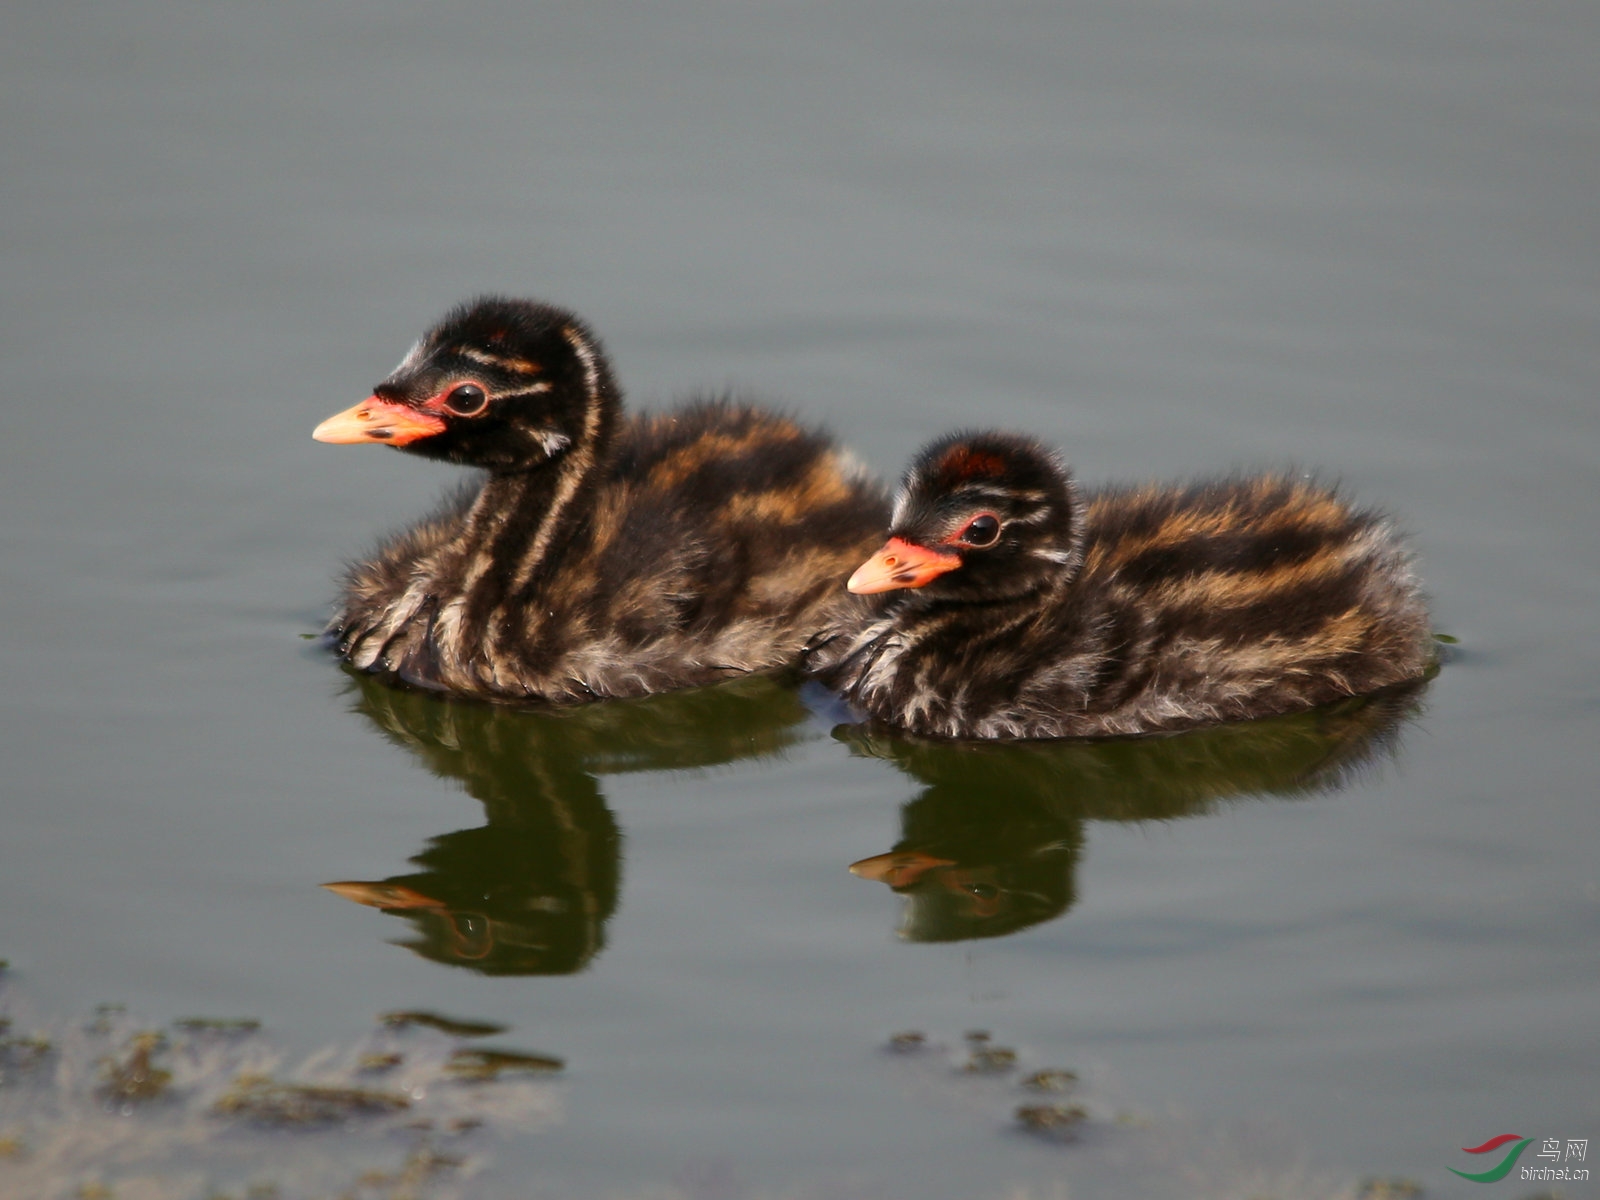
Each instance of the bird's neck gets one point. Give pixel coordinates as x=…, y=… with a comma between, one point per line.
x=525, y=523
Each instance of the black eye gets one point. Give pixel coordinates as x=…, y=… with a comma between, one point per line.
x=982, y=530
x=466, y=400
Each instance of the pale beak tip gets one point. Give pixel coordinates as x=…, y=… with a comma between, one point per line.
x=334, y=430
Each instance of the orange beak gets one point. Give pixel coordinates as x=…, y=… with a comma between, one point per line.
x=898, y=869
x=901, y=564
x=375, y=420
x=382, y=895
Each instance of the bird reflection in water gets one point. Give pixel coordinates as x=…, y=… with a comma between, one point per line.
x=990, y=845
x=530, y=891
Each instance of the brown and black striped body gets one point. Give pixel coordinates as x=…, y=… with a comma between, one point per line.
x=1137, y=610
x=638, y=555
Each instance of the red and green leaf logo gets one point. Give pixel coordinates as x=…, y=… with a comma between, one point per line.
x=1501, y=1169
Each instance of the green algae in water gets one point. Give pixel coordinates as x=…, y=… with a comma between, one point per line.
x=129, y=1098
x=135, y=1078
x=1054, y=1120
x=227, y=1026
x=25, y=1053
x=421, y=1165
x=477, y=1065
x=1051, y=1080
x=990, y=1060
x=444, y=1024
x=265, y=1101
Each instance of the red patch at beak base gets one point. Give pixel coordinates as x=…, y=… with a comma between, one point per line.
x=901, y=564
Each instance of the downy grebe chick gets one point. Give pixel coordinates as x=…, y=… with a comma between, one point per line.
x=1022, y=609
x=602, y=555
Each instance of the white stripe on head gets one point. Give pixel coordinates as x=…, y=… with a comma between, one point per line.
x=912, y=483
x=586, y=355
x=575, y=467
x=506, y=362
x=902, y=497
x=412, y=358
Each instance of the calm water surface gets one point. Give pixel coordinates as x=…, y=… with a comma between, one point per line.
x=1173, y=238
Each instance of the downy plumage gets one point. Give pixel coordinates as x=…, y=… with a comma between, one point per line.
x=1015, y=607
x=601, y=555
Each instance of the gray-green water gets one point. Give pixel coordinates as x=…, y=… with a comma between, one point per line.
x=1172, y=238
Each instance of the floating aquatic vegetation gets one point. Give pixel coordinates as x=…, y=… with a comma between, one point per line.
x=990, y=1060
x=1051, y=1079
x=421, y=1165
x=985, y=1058
x=1056, y=1120
x=106, y=1105
x=134, y=1077
x=19, y=1055
x=267, y=1101
x=479, y=1064
x=227, y=1026
x=447, y=1025
x=105, y=1016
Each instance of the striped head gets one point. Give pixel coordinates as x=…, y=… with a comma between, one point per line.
x=979, y=516
x=502, y=384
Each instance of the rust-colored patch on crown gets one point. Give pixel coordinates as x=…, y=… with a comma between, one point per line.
x=964, y=463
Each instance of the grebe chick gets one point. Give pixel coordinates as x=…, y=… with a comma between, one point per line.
x=601, y=555
x=1015, y=607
